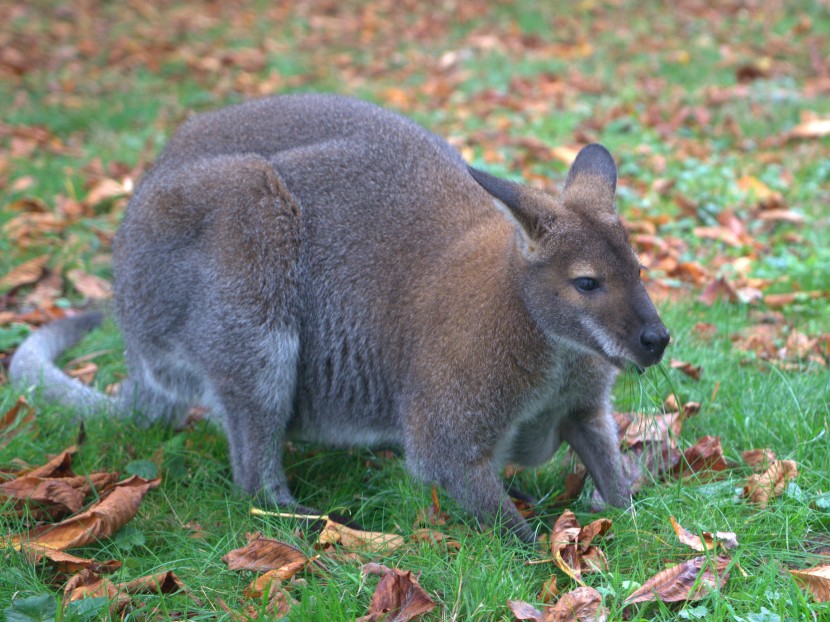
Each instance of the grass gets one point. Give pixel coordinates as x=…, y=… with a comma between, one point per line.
x=129, y=73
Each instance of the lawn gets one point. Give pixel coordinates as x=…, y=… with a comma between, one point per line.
x=718, y=119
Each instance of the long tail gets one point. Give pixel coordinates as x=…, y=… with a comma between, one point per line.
x=33, y=365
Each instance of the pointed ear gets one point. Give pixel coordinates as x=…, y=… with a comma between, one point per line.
x=592, y=180
x=517, y=203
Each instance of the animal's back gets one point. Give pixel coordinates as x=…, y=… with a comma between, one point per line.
x=382, y=201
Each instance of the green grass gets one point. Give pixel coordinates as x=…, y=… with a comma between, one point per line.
x=110, y=82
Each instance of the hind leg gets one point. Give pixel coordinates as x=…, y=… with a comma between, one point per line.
x=257, y=404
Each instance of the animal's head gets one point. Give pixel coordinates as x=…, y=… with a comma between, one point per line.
x=579, y=276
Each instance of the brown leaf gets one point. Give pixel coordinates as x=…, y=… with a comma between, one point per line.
x=114, y=510
x=549, y=591
x=656, y=429
x=12, y=423
x=366, y=541
x=706, y=454
x=265, y=554
x=433, y=514
x=25, y=273
x=693, y=371
x=758, y=459
x=817, y=580
x=705, y=542
x=584, y=604
x=718, y=289
x=398, y=597
x=574, y=483
x=91, y=286
x=88, y=584
x=66, y=562
x=690, y=580
x=435, y=537
x=571, y=546
x=771, y=483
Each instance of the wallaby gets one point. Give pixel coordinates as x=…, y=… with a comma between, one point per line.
x=316, y=267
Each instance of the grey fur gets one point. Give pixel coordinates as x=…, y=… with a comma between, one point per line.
x=316, y=267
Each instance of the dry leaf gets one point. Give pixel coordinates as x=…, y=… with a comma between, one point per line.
x=397, y=598
x=12, y=424
x=366, y=541
x=693, y=371
x=571, y=545
x=690, y=580
x=25, y=273
x=91, y=286
x=760, y=488
x=435, y=537
x=817, y=580
x=705, y=542
x=66, y=562
x=549, y=591
x=114, y=510
x=88, y=584
x=584, y=604
x=758, y=459
x=265, y=554
x=706, y=454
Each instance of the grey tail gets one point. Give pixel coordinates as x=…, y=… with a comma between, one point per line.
x=32, y=365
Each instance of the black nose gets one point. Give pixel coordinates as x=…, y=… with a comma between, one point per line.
x=654, y=340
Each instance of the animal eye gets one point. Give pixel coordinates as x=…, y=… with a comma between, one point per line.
x=586, y=284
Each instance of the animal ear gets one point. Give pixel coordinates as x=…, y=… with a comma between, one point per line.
x=518, y=204
x=592, y=180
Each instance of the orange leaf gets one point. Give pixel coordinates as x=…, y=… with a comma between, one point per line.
x=25, y=273
x=770, y=483
x=758, y=458
x=691, y=580
x=817, y=580
x=114, y=510
x=65, y=562
x=9, y=424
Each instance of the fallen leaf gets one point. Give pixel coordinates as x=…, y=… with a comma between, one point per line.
x=88, y=584
x=12, y=423
x=706, y=541
x=706, y=454
x=817, y=580
x=814, y=128
x=65, y=562
x=584, y=604
x=571, y=545
x=717, y=290
x=549, y=591
x=265, y=554
x=114, y=510
x=366, y=541
x=693, y=371
x=435, y=537
x=25, y=273
x=690, y=580
x=398, y=596
x=758, y=458
x=760, y=488
x=91, y=286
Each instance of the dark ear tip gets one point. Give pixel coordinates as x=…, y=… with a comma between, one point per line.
x=594, y=159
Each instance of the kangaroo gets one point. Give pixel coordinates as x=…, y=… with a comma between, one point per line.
x=316, y=267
